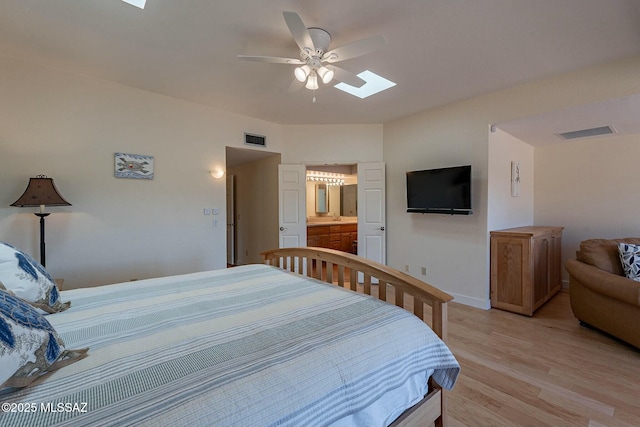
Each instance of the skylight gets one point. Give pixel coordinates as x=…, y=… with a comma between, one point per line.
x=136, y=3
x=374, y=84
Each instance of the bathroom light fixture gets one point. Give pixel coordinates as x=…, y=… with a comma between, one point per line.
x=217, y=174
x=327, y=178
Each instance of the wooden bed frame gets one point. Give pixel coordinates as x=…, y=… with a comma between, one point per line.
x=364, y=276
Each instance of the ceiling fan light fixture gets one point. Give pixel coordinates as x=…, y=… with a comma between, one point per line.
x=325, y=74
x=312, y=82
x=301, y=73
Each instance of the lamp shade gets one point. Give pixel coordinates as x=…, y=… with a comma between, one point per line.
x=325, y=74
x=40, y=191
x=301, y=73
x=312, y=82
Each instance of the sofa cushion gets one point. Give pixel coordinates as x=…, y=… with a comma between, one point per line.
x=604, y=254
x=630, y=259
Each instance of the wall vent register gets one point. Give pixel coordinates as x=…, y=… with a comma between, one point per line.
x=258, y=140
x=584, y=133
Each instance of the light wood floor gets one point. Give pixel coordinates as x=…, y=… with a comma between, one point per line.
x=546, y=370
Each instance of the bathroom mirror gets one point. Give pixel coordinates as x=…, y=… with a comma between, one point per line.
x=349, y=200
x=322, y=198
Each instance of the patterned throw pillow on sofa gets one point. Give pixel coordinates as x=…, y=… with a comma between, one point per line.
x=27, y=279
x=630, y=258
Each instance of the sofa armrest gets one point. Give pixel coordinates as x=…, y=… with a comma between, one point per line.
x=604, y=283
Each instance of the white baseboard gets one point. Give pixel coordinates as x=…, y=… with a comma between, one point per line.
x=473, y=302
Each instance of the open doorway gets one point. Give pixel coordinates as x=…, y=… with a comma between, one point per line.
x=332, y=207
x=252, y=204
x=294, y=226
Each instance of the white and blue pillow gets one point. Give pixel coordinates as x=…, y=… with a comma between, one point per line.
x=27, y=279
x=630, y=259
x=29, y=346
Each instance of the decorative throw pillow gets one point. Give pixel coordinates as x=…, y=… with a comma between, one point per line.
x=630, y=258
x=28, y=279
x=29, y=346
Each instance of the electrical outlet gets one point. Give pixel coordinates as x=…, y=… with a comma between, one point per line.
x=406, y=268
x=423, y=270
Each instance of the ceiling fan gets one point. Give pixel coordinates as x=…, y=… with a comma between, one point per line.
x=315, y=61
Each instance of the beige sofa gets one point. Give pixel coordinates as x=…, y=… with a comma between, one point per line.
x=601, y=295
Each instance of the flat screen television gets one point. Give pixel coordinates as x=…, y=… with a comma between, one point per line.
x=443, y=191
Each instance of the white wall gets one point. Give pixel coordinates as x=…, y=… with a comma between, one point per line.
x=589, y=187
x=68, y=127
x=504, y=210
x=331, y=144
x=451, y=247
x=455, y=249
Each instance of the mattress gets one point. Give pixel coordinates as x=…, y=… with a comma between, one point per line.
x=246, y=346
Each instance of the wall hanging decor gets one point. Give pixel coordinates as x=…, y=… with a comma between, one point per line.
x=515, y=179
x=133, y=166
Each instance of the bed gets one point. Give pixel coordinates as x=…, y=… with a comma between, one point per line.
x=279, y=344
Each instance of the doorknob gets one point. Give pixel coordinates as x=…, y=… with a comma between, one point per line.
x=282, y=228
x=382, y=228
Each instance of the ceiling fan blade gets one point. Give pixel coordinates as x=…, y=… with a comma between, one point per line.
x=355, y=49
x=347, y=77
x=273, y=59
x=298, y=30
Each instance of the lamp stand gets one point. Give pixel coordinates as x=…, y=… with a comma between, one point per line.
x=42, y=244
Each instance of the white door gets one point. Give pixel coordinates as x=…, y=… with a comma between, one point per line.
x=292, y=204
x=372, y=242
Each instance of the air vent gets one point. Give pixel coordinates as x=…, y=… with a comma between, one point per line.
x=258, y=140
x=584, y=133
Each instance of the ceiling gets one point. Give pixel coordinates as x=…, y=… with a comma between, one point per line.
x=439, y=51
x=621, y=115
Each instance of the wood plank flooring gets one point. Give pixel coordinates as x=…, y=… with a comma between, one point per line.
x=546, y=370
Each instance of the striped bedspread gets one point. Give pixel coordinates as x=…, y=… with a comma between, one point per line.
x=247, y=346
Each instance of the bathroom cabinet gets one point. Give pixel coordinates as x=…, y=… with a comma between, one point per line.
x=333, y=236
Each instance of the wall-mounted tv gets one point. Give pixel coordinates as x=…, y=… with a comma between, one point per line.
x=443, y=191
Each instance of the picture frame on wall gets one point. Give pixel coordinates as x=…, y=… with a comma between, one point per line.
x=135, y=166
x=515, y=179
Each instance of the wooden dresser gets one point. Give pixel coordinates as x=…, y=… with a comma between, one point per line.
x=525, y=267
x=333, y=236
